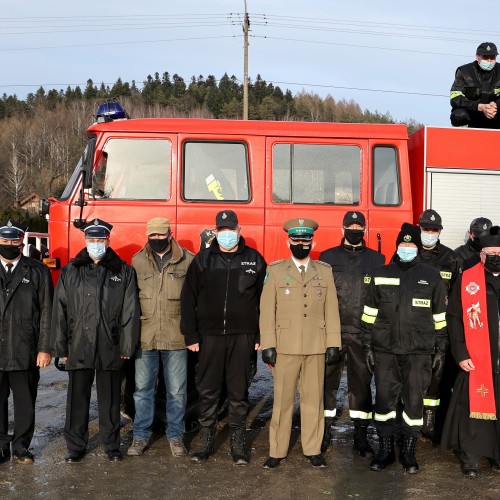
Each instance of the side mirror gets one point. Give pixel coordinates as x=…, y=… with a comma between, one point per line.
x=88, y=163
x=43, y=208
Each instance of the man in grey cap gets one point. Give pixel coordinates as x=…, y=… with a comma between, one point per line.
x=26, y=306
x=475, y=93
x=468, y=254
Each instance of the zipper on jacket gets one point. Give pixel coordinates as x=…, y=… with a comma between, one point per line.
x=228, y=263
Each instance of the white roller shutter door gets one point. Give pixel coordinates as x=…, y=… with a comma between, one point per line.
x=461, y=196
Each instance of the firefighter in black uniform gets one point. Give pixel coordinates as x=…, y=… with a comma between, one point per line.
x=404, y=338
x=468, y=253
x=353, y=264
x=445, y=260
x=475, y=93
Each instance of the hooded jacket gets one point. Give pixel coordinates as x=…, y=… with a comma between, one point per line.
x=95, y=317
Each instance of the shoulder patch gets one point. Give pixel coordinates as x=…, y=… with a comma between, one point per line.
x=367, y=280
x=276, y=262
x=323, y=263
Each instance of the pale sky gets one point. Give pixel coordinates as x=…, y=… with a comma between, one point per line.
x=387, y=55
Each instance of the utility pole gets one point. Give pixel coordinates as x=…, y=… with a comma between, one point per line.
x=246, y=27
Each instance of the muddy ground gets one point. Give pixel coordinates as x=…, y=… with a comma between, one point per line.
x=157, y=474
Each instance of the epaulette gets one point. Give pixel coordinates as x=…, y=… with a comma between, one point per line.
x=276, y=262
x=322, y=263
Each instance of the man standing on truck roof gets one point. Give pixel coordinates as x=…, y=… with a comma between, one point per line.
x=95, y=325
x=445, y=260
x=26, y=308
x=220, y=321
x=475, y=93
x=352, y=263
x=404, y=339
x=468, y=254
x=161, y=268
x=300, y=332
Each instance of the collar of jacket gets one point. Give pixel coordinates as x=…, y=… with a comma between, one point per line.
x=404, y=266
x=110, y=260
x=177, y=251
x=435, y=249
x=352, y=249
x=214, y=246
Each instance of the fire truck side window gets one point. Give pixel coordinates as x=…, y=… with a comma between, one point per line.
x=215, y=171
x=386, y=186
x=133, y=169
x=327, y=174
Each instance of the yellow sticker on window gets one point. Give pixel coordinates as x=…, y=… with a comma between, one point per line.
x=421, y=302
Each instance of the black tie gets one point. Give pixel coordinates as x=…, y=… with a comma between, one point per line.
x=302, y=271
x=9, y=269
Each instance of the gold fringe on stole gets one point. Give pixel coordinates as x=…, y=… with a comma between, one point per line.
x=482, y=416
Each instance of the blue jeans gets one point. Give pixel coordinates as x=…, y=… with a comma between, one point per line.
x=175, y=376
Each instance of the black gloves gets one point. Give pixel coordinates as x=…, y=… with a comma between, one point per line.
x=332, y=356
x=269, y=356
x=438, y=363
x=369, y=357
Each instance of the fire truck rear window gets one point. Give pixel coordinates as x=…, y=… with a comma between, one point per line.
x=326, y=174
x=133, y=169
x=216, y=171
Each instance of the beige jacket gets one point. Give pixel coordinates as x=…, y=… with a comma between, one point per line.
x=299, y=317
x=159, y=294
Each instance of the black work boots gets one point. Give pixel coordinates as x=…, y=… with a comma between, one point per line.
x=237, y=443
x=328, y=434
x=361, y=444
x=407, y=455
x=205, y=446
x=385, y=455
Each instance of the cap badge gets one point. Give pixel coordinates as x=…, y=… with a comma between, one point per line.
x=224, y=215
x=96, y=222
x=9, y=224
x=432, y=217
x=301, y=222
x=472, y=288
x=488, y=48
x=354, y=215
x=485, y=226
x=407, y=238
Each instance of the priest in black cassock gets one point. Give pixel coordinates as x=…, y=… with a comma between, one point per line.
x=472, y=428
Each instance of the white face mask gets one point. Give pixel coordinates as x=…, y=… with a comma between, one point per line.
x=429, y=239
x=486, y=65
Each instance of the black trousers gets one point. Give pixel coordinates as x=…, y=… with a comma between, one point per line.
x=358, y=381
x=24, y=385
x=76, y=429
x=401, y=375
x=460, y=117
x=224, y=359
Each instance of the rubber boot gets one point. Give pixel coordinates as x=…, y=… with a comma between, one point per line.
x=385, y=455
x=429, y=428
x=407, y=455
x=237, y=442
x=361, y=444
x=205, y=446
x=328, y=434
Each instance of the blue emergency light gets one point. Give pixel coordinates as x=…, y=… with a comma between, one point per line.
x=109, y=111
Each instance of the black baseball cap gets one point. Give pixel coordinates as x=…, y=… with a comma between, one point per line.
x=430, y=219
x=226, y=218
x=480, y=225
x=354, y=218
x=487, y=49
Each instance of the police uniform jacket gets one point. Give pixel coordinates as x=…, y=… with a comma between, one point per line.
x=299, y=317
x=25, y=315
x=159, y=295
x=96, y=313
x=473, y=86
x=445, y=260
x=221, y=293
x=405, y=309
x=352, y=268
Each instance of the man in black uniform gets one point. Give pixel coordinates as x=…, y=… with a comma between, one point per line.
x=25, y=306
x=468, y=253
x=95, y=325
x=472, y=427
x=445, y=260
x=475, y=93
x=220, y=320
x=353, y=264
x=404, y=337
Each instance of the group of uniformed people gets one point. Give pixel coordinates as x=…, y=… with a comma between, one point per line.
x=310, y=318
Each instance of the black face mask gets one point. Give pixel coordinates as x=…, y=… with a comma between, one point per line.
x=354, y=236
x=10, y=252
x=300, y=251
x=159, y=245
x=492, y=263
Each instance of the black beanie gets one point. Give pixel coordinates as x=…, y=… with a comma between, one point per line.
x=409, y=234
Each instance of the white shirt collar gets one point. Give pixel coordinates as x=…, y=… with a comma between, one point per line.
x=298, y=264
x=14, y=264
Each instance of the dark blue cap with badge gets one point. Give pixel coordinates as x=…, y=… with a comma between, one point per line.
x=97, y=228
x=226, y=218
x=12, y=230
x=300, y=229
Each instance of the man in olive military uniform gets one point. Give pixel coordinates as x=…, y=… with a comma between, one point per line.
x=299, y=331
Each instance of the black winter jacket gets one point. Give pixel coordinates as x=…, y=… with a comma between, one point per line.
x=473, y=86
x=25, y=314
x=96, y=314
x=405, y=309
x=467, y=254
x=221, y=293
x=445, y=260
x=352, y=268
